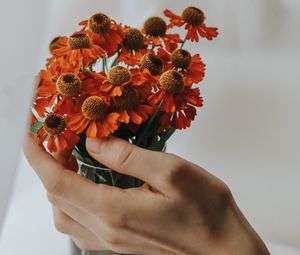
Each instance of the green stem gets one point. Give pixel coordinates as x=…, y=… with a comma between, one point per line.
x=90, y=68
x=184, y=41
x=105, y=64
x=82, y=67
x=144, y=133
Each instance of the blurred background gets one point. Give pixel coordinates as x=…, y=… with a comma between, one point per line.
x=247, y=134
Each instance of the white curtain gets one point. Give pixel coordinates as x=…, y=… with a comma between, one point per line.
x=22, y=26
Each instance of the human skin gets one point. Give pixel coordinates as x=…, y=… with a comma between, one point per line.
x=181, y=209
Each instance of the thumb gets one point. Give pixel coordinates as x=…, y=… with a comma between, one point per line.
x=126, y=158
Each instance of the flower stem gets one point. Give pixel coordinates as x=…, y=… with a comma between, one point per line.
x=184, y=41
x=150, y=122
x=104, y=65
x=114, y=63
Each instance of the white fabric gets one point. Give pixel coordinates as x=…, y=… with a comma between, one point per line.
x=247, y=134
x=21, y=33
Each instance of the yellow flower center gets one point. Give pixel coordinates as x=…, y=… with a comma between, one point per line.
x=79, y=41
x=193, y=16
x=181, y=58
x=128, y=100
x=99, y=23
x=54, y=124
x=94, y=108
x=133, y=39
x=54, y=44
x=172, y=81
x=68, y=84
x=155, y=26
x=119, y=75
x=152, y=63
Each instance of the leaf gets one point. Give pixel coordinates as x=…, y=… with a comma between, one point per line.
x=169, y=133
x=159, y=142
x=36, y=127
x=114, y=63
x=77, y=155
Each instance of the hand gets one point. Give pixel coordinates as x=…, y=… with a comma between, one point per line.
x=182, y=209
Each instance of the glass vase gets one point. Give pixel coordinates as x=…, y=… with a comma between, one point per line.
x=100, y=174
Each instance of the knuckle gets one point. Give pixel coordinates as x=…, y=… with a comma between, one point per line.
x=224, y=196
x=118, y=222
x=52, y=199
x=224, y=192
x=176, y=170
x=54, y=186
x=60, y=225
x=125, y=156
x=113, y=241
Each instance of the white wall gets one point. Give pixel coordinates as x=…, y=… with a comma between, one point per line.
x=248, y=131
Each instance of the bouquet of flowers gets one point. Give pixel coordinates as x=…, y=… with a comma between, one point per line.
x=111, y=79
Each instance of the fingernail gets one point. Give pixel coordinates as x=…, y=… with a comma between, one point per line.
x=94, y=145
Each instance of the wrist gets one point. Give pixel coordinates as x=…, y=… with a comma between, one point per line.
x=239, y=238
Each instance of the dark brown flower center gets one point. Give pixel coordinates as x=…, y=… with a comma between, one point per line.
x=181, y=58
x=54, y=44
x=79, y=41
x=133, y=39
x=172, y=81
x=54, y=124
x=193, y=16
x=152, y=63
x=68, y=84
x=94, y=108
x=119, y=75
x=128, y=100
x=155, y=26
x=99, y=23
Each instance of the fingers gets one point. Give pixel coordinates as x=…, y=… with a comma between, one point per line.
x=152, y=167
x=87, y=245
x=66, y=184
x=110, y=237
x=66, y=225
x=84, y=239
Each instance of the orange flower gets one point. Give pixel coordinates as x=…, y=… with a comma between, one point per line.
x=40, y=105
x=118, y=77
x=131, y=105
x=33, y=120
x=79, y=50
x=104, y=32
x=193, y=19
x=192, y=67
x=65, y=92
x=56, y=43
x=155, y=29
x=176, y=99
x=57, y=65
x=95, y=118
x=133, y=47
x=179, y=120
x=152, y=63
x=56, y=133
